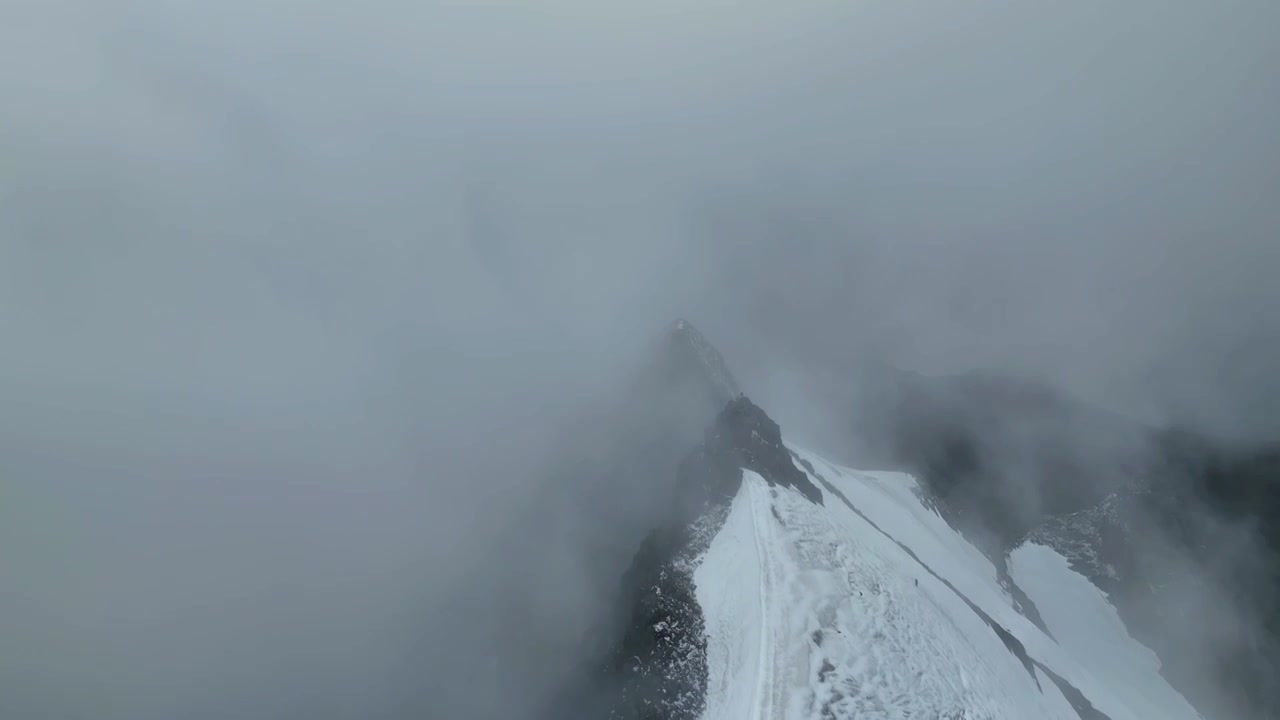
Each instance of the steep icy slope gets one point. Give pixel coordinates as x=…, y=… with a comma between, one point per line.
x=871, y=606
x=1181, y=531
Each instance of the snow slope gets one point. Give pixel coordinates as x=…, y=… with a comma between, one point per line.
x=870, y=606
x=1087, y=626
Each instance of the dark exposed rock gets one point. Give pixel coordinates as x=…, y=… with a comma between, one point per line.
x=682, y=433
x=615, y=477
x=659, y=669
x=660, y=665
x=743, y=431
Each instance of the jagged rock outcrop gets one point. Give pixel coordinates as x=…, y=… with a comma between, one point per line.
x=656, y=465
x=753, y=440
x=611, y=479
x=660, y=664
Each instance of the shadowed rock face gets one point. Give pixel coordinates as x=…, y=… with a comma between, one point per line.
x=660, y=668
x=657, y=665
x=610, y=480
x=753, y=440
x=644, y=468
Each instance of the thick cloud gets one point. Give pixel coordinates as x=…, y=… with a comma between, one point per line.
x=294, y=293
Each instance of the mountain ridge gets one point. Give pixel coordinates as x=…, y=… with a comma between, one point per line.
x=662, y=665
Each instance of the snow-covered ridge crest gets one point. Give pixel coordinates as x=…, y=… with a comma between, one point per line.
x=781, y=586
x=871, y=605
x=661, y=662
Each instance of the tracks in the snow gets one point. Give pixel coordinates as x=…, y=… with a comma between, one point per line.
x=762, y=708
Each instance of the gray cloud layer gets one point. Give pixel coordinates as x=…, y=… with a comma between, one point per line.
x=292, y=293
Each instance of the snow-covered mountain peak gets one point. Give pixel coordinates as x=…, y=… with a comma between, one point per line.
x=779, y=584
x=787, y=587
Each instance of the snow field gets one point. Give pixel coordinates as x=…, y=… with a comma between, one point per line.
x=817, y=612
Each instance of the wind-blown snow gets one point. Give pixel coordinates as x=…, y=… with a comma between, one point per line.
x=872, y=607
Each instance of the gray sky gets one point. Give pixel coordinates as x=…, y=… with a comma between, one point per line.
x=292, y=293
